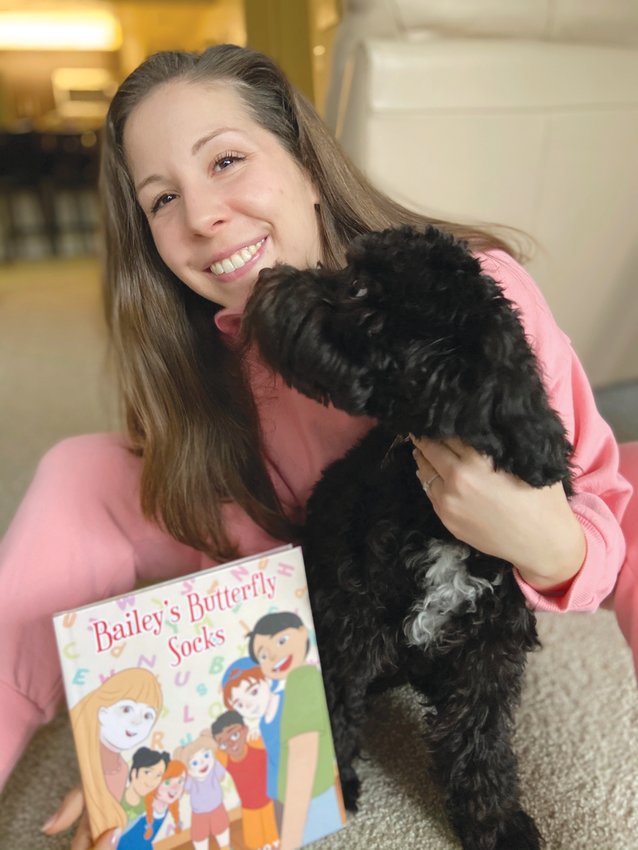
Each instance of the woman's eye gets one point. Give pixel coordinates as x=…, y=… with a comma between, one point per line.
x=226, y=160
x=162, y=201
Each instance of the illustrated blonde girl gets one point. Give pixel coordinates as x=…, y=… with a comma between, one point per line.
x=116, y=716
x=203, y=783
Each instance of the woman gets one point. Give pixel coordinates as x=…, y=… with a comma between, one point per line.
x=214, y=168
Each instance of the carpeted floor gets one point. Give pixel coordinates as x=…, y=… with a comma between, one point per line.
x=577, y=727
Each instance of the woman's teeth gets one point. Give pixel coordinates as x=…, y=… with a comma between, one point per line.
x=237, y=260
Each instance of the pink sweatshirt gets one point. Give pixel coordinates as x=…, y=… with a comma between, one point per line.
x=302, y=437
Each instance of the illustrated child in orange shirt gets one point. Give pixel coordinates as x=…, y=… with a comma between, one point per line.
x=246, y=763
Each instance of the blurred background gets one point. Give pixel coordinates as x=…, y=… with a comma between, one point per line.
x=60, y=63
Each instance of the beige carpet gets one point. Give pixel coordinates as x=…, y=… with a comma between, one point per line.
x=577, y=728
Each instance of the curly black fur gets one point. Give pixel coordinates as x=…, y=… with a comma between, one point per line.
x=413, y=334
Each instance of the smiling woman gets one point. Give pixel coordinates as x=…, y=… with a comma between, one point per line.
x=215, y=168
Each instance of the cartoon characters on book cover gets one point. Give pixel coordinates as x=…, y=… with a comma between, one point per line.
x=198, y=711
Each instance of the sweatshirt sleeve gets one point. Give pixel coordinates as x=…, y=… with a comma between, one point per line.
x=601, y=493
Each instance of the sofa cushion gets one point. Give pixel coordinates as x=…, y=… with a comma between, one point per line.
x=584, y=21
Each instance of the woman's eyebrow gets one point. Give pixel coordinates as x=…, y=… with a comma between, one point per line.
x=152, y=178
x=199, y=144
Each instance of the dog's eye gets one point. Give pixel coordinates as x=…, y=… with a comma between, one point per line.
x=358, y=290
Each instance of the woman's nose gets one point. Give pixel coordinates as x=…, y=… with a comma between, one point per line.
x=203, y=212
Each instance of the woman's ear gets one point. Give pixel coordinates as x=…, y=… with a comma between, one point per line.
x=315, y=193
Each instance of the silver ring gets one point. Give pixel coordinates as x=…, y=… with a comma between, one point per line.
x=429, y=483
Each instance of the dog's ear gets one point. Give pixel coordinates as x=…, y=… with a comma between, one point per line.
x=292, y=317
x=407, y=265
x=380, y=256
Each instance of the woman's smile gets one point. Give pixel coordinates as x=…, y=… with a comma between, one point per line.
x=230, y=266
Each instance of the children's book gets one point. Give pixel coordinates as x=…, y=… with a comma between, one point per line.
x=198, y=710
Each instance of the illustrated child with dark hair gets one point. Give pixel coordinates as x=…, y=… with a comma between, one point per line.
x=147, y=769
x=158, y=805
x=246, y=763
x=203, y=783
x=279, y=643
x=245, y=689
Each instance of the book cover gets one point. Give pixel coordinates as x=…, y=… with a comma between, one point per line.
x=198, y=711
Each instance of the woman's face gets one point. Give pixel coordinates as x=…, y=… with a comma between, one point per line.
x=125, y=723
x=222, y=197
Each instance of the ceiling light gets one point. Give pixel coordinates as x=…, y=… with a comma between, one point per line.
x=64, y=30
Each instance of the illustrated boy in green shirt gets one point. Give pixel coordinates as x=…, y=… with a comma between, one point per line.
x=279, y=643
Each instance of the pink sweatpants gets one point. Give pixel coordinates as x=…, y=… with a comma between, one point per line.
x=79, y=536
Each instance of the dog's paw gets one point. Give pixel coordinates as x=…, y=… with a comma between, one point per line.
x=520, y=833
x=517, y=831
x=350, y=787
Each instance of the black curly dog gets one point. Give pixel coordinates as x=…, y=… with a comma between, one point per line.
x=413, y=334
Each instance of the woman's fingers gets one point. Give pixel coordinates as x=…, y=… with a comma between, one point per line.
x=441, y=455
x=437, y=459
x=82, y=837
x=69, y=811
x=72, y=808
x=426, y=473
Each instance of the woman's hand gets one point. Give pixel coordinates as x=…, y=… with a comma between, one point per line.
x=497, y=513
x=70, y=810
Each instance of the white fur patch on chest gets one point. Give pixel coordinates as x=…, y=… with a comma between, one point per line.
x=448, y=588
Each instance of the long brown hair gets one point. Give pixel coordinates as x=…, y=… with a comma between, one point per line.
x=188, y=407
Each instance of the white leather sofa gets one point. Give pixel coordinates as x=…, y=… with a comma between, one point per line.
x=520, y=112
